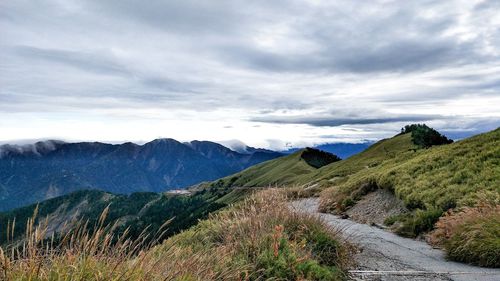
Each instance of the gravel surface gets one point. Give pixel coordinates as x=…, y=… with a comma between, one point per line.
x=386, y=256
x=375, y=207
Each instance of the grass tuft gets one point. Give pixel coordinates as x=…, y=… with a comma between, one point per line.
x=471, y=235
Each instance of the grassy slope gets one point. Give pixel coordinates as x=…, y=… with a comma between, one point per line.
x=293, y=170
x=465, y=174
x=429, y=181
x=439, y=177
x=280, y=171
x=397, y=147
x=257, y=239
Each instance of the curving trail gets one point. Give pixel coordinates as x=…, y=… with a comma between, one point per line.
x=387, y=256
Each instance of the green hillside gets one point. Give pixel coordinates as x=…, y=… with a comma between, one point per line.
x=452, y=190
x=294, y=170
x=440, y=177
x=421, y=167
x=287, y=170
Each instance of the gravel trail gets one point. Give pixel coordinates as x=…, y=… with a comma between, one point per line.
x=387, y=256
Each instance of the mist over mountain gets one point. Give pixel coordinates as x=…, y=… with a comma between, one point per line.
x=46, y=169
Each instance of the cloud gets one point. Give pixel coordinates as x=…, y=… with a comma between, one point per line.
x=330, y=121
x=278, y=69
x=84, y=61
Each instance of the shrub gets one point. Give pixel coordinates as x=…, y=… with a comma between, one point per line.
x=331, y=200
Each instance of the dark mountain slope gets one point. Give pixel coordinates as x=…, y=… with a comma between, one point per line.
x=47, y=169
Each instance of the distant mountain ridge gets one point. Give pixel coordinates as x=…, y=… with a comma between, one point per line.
x=46, y=169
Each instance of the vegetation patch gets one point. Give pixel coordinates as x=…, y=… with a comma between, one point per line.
x=424, y=136
x=264, y=236
x=259, y=238
x=430, y=182
x=415, y=223
x=441, y=177
x=318, y=158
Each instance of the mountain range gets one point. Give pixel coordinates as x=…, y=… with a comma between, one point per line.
x=139, y=210
x=31, y=173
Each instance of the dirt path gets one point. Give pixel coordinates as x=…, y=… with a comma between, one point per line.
x=386, y=256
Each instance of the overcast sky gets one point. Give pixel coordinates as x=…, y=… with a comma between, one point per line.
x=268, y=73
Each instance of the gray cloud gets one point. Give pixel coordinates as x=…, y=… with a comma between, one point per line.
x=251, y=61
x=99, y=64
x=330, y=121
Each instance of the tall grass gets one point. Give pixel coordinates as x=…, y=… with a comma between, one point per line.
x=470, y=235
x=259, y=238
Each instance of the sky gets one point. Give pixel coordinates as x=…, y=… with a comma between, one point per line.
x=271, y=74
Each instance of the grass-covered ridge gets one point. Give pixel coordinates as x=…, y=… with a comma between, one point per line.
x=293, y=170
x=257, y=239
x=440, y=177
x=283, y=171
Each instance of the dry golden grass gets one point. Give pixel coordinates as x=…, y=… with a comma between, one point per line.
x=470, y=235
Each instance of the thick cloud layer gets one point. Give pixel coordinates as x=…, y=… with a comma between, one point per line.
x=265, y=72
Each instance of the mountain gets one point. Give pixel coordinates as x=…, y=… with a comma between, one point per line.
x=140, y=209
x=342, y=150
x=44, y=170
